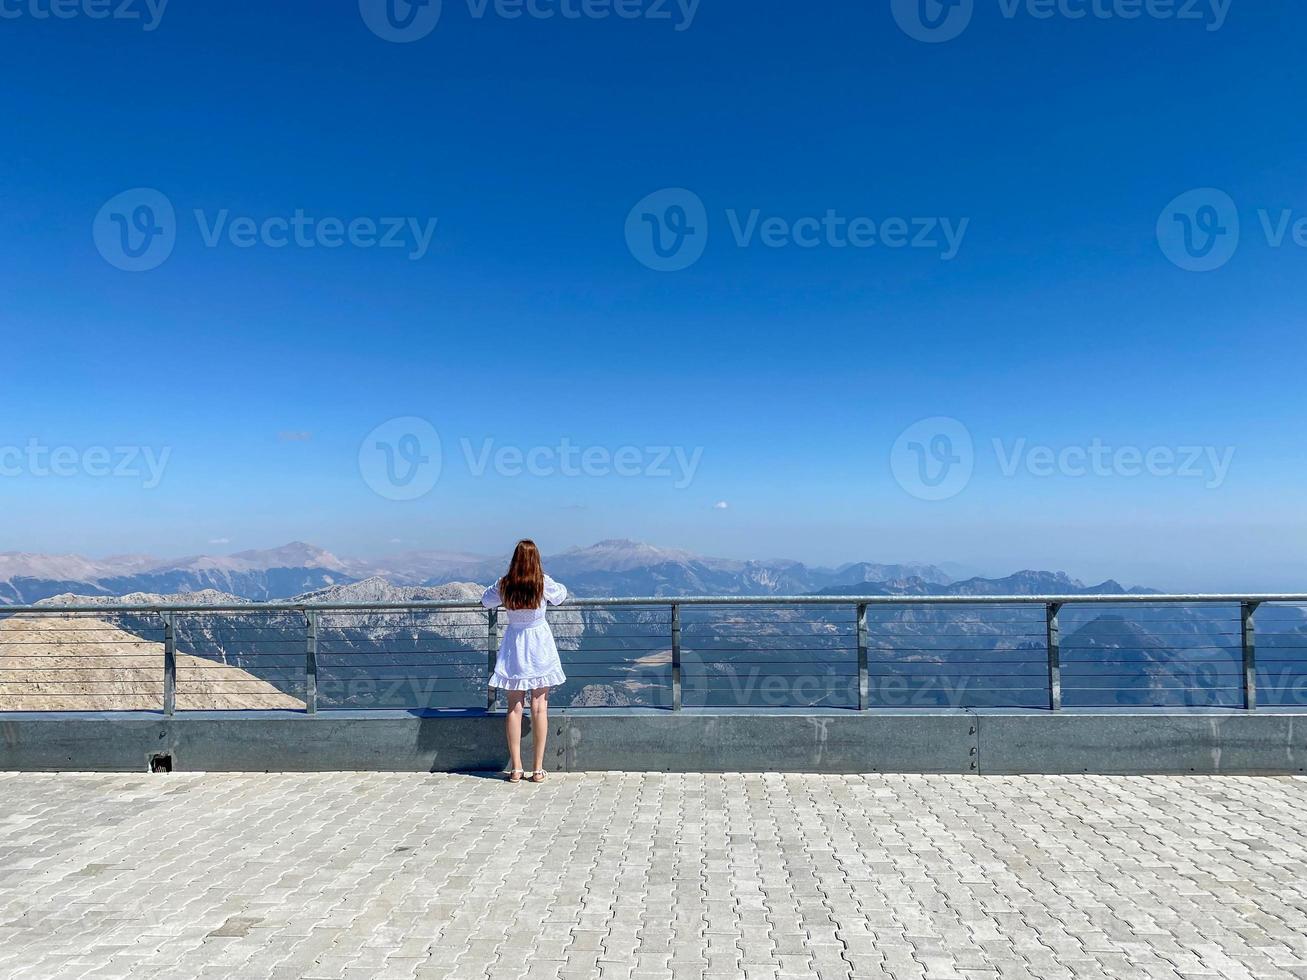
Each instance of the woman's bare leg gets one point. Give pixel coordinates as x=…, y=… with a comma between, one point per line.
x=513, y=728
x=539, y=724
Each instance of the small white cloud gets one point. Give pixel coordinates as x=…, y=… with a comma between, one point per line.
x=720, y=505
x=220, y=541
x=396, y=540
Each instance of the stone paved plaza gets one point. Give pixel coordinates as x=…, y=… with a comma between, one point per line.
x=360, y=875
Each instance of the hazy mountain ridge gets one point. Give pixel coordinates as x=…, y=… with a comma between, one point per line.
x=275, y=573
x=1027, y=582
x=378, y=589
x=610, y=567
x=204, y=597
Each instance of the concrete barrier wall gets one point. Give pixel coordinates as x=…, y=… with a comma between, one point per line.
x=909, y=741
x=1143, y=743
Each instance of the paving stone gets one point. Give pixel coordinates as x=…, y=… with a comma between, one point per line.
x=337, y=876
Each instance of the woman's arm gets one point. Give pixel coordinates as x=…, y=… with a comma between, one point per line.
x=490, y=598
x=554, y=593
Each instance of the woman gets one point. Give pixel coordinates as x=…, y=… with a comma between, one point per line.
x=528, y=658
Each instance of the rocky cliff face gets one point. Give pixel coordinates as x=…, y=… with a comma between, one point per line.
x=83, y=663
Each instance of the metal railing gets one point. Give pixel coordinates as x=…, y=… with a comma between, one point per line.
x=857, y=652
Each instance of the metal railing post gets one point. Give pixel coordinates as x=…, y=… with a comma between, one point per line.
x=864, y=687
x=311, y=661
x=169, y=666
x=1248, y=635
x=677, y=690
x=1054, y=640
x=492, y=652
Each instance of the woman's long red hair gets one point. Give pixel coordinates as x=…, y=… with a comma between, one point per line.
x=524, y=585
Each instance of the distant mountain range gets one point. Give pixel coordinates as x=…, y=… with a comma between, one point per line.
x=614, y=567
x=1018, y=583
x=960, y=655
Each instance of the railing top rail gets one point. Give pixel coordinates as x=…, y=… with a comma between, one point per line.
x=455, y=605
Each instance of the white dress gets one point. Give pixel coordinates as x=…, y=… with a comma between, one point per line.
x=528, y=657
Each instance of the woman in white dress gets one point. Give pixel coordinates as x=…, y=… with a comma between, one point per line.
x=528, y=658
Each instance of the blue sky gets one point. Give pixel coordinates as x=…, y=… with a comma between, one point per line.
x=1056, y=143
